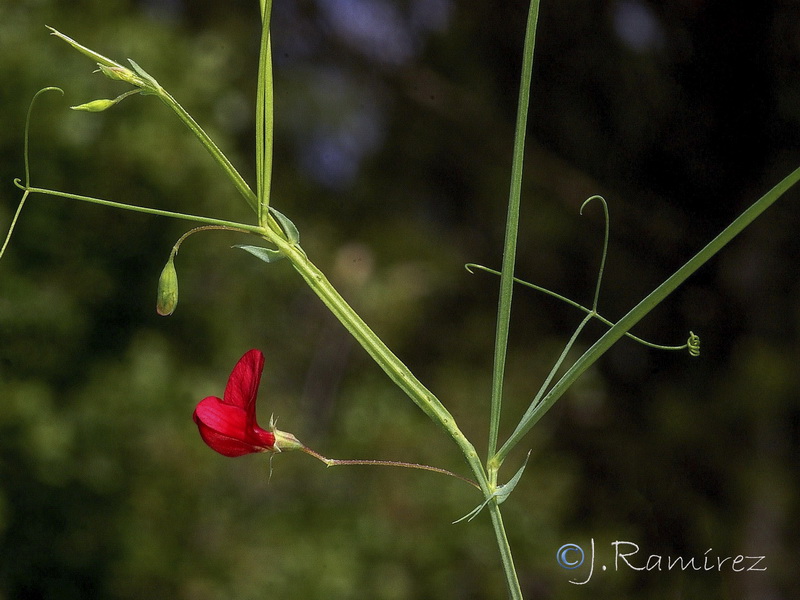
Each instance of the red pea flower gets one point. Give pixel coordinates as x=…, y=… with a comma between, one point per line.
x=229, y=426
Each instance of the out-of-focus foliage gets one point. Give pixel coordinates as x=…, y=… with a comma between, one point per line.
x=393, y=138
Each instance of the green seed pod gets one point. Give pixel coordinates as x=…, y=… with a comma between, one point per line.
x=95, y=105
x=167, y=289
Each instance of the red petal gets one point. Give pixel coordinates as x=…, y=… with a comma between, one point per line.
x=244, y=380
x=223, y=418
x=225, y=429
x=225, y=445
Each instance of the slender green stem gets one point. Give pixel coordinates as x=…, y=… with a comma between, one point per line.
x=385, y=358
x=191, y=232
x=13, y=224
x=510, y=571
x=149, y=86
x=397, y=371
x=562, y=357
x=512, y=228
x=238, y=181
x=149, y=211
x=537, y=410
x=497, y=460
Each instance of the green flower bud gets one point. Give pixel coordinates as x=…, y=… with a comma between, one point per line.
x=95, y=105
x=167, y=289
x=119, y=73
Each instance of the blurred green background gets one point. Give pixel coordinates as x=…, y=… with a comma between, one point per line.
x=393, y=140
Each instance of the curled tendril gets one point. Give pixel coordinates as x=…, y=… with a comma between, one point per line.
x=693, y=343
x=605, y=246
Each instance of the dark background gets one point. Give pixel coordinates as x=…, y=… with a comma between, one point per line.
x=393, y=141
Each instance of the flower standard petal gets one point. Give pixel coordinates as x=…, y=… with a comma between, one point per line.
x=243, y=383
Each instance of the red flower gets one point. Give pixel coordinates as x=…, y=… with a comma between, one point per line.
x=229, y=425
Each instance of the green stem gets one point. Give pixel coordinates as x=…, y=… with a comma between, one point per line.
x=405, y=380
x=510, y=571
x=385, y=358
x=149, y=211
x=14, y=220
x=238, y=181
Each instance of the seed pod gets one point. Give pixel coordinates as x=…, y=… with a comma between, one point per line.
x=167, y=289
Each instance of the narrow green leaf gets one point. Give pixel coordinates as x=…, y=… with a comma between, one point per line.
x=512, y=228
x=264, y=117
x=265, y=254
x=98, y=58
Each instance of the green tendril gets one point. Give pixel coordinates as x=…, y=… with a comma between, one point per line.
x=26, y=161
x=693, y=344
x=605, y=247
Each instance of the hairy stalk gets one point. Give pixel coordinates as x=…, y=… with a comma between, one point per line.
x=334, y=462
x=270, y=229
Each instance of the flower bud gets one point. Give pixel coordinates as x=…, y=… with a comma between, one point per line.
x=119, y=73
x=95, y=105
x=167, y=289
